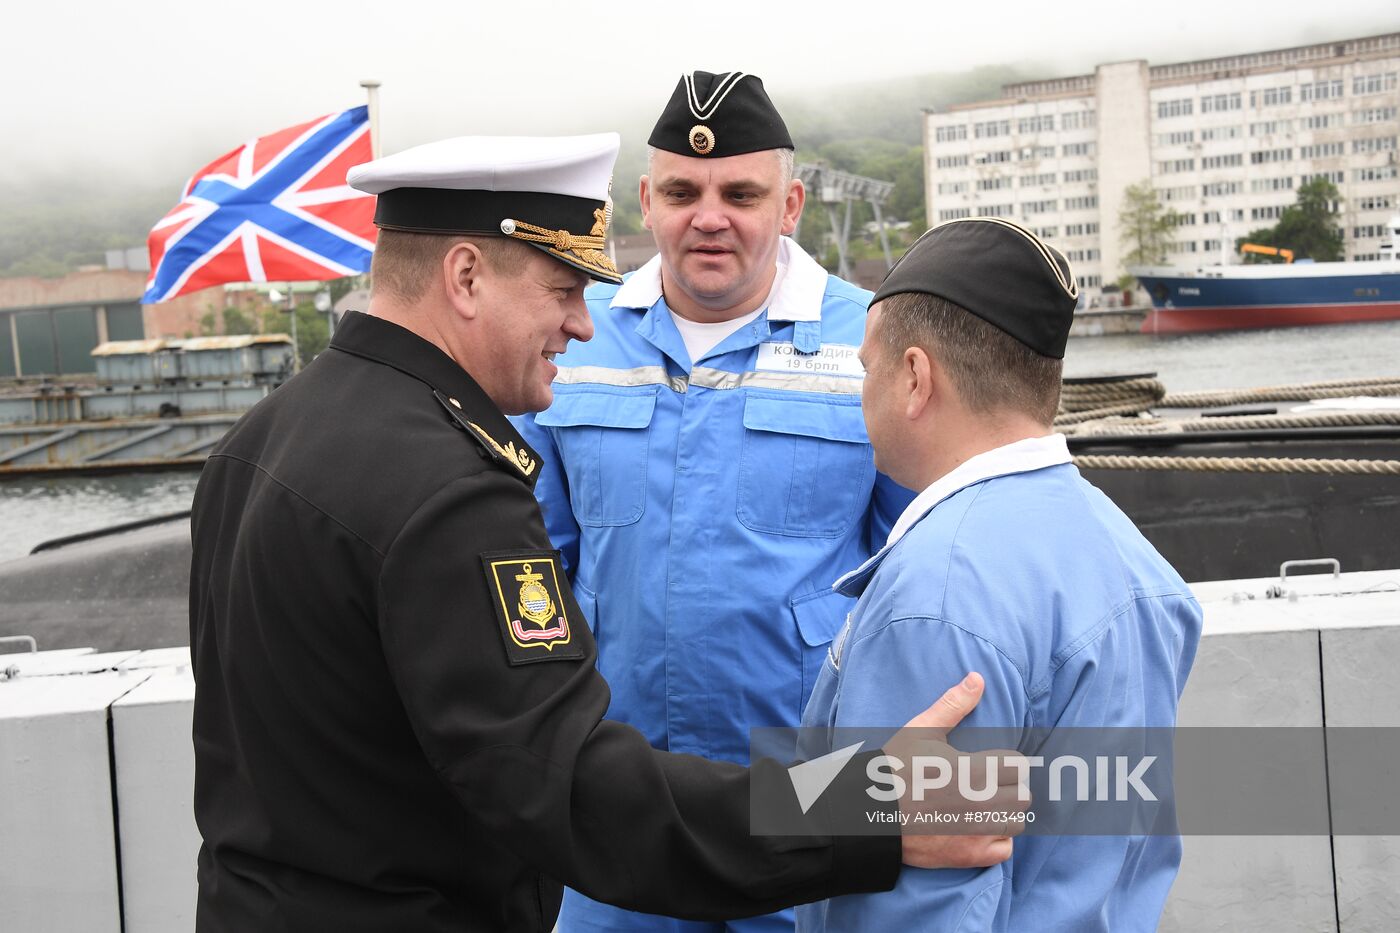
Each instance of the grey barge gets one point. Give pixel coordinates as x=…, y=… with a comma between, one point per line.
x=154, y=404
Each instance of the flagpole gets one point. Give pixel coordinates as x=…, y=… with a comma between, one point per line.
x=371, y=86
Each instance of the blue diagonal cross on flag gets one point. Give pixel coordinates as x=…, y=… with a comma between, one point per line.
x=275, y=209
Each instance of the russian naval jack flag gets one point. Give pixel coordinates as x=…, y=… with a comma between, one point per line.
x=276, y=209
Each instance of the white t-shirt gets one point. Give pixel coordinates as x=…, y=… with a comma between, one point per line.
x=702, y=337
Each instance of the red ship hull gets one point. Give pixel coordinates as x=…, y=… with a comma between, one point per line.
x=1252, y=317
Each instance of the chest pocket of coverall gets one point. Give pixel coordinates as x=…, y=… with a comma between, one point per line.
x=806, y=468
x=603, y=441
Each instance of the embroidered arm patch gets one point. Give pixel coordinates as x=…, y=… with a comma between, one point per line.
x=525, y=589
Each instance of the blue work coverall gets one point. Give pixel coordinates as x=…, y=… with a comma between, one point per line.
x=1016, y=567
x=703, y=509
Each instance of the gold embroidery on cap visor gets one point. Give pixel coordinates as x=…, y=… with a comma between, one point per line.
x=582, y=250
x=702, y=139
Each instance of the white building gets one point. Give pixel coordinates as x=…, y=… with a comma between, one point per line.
x=1225, y=141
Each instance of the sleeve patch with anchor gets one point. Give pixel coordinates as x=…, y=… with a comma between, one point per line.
x=525, y=590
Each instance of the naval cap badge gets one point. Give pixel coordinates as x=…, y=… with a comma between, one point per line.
x=702, y=139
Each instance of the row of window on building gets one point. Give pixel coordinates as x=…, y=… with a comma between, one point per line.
x=1218, y=188
x=1370, y=146
x=1183, y=219
x=1088, y=202
x=1268, y=212
x=1213, y=246
x=1266, y=156
x=1070, y=230
x=1318, y=121
x=1330, y=89
x=1038, y=123
x=1382, y=202
x=1025, y=154
x=1038, y=180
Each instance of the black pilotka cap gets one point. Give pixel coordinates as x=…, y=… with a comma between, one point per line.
x=997, y=270
x=718, y=115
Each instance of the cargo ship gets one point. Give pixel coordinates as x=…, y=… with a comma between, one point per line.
x=1276, y=294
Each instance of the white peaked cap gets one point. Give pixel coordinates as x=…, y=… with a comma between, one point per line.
x=578, y=166
x=550, y=192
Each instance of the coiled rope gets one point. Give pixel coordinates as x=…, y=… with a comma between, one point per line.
x=1089, y=401
x=1100, y=407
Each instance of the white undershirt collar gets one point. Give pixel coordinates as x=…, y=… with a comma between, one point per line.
x=703, y=336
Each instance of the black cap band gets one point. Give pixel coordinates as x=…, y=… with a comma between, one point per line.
x=447, y=210
x=568, y=228
x=713, y=116
x=997, y=270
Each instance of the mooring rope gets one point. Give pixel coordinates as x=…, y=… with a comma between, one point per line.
x=1301, y=392
x=1321, y=419
x=1082, y=402
x=1106, y=406
x=1239, y=464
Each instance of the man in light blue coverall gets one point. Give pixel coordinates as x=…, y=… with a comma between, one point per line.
x=1008, y=563
x=706, y=469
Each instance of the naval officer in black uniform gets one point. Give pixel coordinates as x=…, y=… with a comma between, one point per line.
x=398, y=725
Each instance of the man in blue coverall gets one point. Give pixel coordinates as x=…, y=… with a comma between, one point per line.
x=1008, y=563
x=706, y=469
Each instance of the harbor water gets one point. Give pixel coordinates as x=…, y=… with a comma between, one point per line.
x=36, y=510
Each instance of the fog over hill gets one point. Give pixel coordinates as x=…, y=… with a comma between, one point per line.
x=109, y=108
x=50, y=223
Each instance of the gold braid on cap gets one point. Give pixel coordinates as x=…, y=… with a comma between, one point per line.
x=588, y=248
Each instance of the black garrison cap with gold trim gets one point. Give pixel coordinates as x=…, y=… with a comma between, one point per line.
x=548, y=191
x=997, y=270
x=718, y=115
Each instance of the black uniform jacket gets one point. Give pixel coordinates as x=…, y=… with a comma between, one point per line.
x=398, y=725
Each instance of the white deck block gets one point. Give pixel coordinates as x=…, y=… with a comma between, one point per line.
x=1253, y=883
x=155, y=787
x=58, y=866
x=1362, y=690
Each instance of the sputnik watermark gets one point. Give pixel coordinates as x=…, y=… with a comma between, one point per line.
x=1245, y=781
x=1116, y=778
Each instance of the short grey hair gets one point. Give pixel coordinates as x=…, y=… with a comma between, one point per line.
x=787, y=164
x=787, y=161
